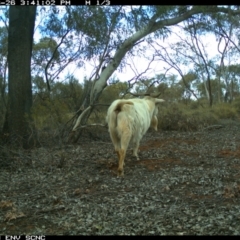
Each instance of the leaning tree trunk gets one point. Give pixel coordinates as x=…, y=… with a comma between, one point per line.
x=20, y=40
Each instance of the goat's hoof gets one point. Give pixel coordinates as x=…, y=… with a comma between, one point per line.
x=120, y=173
x=135, y=157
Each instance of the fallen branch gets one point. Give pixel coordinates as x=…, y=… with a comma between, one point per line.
x=50, y=210
x=94, y=124
x=213, y=127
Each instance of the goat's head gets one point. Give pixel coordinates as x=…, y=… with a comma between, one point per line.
x=147, y=94
x=153, y=105
x=154, y=120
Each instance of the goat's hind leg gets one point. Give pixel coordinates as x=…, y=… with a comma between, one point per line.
x=121, y=155
x=116, y=142
x=122, y=152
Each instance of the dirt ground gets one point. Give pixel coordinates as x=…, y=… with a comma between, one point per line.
x=185, y=183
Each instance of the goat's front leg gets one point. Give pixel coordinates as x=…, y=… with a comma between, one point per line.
x=154, y=123
x=135, y=151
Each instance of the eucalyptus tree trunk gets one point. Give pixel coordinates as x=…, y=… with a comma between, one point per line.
x=20, y=40
x=232, y=91
x=206, y=88
x=219, y=90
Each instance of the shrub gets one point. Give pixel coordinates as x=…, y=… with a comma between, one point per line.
x=178, y=117
x=236, y=104
x=225, y=111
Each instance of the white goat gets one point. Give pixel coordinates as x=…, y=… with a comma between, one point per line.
x=128, y=120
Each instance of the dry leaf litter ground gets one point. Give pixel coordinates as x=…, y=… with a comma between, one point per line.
x=185, y=183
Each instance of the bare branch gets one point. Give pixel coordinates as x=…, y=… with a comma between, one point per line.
x=174, y=65
x=50, y=60
x=80, y=118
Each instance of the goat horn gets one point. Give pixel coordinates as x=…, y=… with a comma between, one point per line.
x=138, y=94
x=155, y=95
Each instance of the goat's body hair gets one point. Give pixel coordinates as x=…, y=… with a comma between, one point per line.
x=128, y=120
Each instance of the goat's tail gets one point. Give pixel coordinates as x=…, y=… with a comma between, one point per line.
x=120, y=105
x=118, y=108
